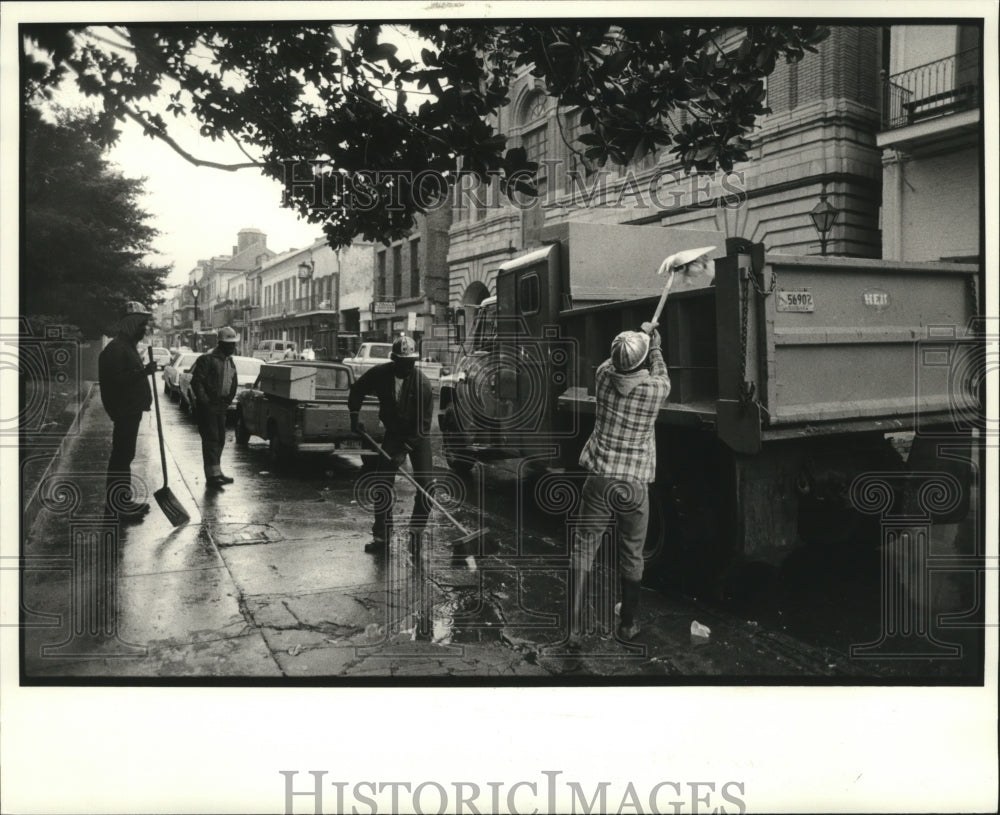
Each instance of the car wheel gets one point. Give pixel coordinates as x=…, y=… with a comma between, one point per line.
x=242, y=434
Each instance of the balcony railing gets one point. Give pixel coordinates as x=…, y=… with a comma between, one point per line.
x=289, y=308
x=944, y=86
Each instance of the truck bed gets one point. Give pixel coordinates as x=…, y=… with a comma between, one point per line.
x=835, y=345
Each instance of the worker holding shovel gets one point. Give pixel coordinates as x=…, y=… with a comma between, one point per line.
x=620, y=456
x=126, y=395
x=406, y=403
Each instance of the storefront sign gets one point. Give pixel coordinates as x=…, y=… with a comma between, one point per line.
x=384, y=306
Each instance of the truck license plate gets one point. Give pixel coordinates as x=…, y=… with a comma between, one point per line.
x=797, y=300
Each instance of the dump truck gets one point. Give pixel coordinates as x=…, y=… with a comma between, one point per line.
x=794, y=379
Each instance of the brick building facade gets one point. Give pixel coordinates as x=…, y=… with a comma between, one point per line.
x=818, y=140
x=410, y=284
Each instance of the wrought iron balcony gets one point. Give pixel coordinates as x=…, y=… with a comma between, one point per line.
x=948, y=85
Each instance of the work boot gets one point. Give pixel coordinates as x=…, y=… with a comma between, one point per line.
x=225, y=479
x=629, y=626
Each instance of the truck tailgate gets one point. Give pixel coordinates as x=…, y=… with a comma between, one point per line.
x=843, y=338
x=330, y=420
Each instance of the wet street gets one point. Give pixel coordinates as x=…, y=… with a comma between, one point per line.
x=269, y=580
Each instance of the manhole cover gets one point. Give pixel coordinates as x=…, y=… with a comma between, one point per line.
x=242, y=534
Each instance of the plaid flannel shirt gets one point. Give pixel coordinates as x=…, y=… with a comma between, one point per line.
x=623, y=443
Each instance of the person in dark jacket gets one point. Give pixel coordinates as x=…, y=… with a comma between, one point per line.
x=406, y=403
x=214, y=383
x=126, y=395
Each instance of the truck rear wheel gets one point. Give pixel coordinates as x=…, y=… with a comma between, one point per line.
x=241, y=432
x=278, y=453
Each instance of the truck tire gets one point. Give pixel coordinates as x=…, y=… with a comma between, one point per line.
x=452, y=451
x=278, y=453
x=241, y=432
x=458, y=465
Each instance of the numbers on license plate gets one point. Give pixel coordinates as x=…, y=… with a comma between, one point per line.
x=800, y=300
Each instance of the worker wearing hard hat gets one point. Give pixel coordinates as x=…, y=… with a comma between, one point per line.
x=620, y=457
x=406, y=403
x=126, y=395
x=214, y=383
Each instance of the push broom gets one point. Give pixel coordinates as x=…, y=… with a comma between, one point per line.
x=168, y=502
x=464, y=545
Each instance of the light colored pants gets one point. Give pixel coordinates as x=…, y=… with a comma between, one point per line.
x=604, y=499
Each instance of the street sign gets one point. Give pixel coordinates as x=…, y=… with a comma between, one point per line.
x=196, y=325
x=384, y=306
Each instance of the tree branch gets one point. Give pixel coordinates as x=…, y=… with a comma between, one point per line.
x=162, y=135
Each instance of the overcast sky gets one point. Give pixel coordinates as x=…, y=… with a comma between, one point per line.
x=199, y=210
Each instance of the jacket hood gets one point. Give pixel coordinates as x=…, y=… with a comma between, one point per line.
x=626, y=383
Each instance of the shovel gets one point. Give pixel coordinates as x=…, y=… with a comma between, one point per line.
x=668, y=266
x=464, y=545
x=168, y=502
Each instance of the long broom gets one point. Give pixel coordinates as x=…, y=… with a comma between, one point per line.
x=463, y=547
x=168, y=502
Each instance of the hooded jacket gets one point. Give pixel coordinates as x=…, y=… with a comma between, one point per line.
x=207, y=376
x=623, y=442
x=125, y=390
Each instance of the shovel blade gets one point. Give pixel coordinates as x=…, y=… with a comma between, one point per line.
x=463, y=550
x=171, y=507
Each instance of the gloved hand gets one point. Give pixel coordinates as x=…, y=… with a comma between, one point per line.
x=649, y=328
x=149, y=369
x=654, y=341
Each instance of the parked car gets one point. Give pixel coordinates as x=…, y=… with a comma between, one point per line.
x=274, y=350
x=312, y=416
x=247, y=369
x=161, y=356
x=371, y=354
x=181, y=362
x=368, y=356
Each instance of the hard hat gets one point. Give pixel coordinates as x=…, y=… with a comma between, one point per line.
x=133, y=307
x=228, y=335
x=404, y=348
x=629, y=350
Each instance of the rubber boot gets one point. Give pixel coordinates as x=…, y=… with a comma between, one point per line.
x=629, y=626
x=578, y=593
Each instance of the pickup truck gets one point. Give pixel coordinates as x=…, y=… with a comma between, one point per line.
x=371, y=354
x=291, y=425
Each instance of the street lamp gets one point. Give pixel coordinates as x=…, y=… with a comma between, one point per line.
x=824, y=216
x=306, y=268
x=195, y=291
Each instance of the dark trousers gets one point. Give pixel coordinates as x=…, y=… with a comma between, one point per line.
x=118, y=488
x=385, y=478
x=212, y=428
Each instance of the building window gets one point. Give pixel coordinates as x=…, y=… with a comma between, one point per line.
x=381, y=275
x=397, y=271
x=415, y=267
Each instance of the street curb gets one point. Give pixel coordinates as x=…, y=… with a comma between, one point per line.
x=31, y=507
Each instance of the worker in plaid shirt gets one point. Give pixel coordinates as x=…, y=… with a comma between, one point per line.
x=620, y=456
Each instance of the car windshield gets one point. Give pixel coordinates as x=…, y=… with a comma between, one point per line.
x=185, y=360
x=328, y=380
x=380, y=351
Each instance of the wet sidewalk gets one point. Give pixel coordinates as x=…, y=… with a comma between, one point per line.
x=269, y=580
